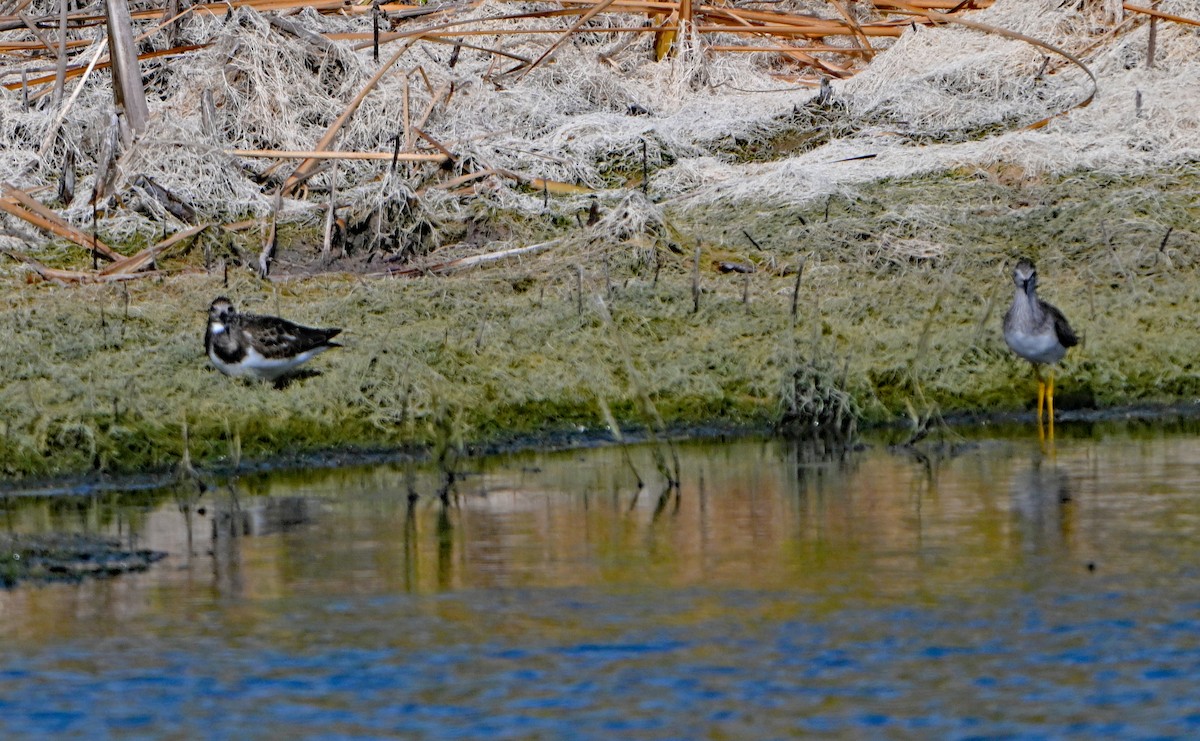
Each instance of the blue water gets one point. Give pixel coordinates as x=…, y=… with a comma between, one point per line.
x=1007, y=593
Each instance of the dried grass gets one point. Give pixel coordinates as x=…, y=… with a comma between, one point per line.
x=274, y=77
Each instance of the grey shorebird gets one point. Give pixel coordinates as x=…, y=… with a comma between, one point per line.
x=265, y=347
x=1037, y=331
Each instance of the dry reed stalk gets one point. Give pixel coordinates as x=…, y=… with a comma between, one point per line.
x=128, y=91
x=429, y=31
x=263, y=6
x=1160, y=14
x=556, y=187
x=77, y=43
x=782, y=49
x=21, y=205
x=20, y=6
x=136, y=262
x=76, y=276
x=814, y=30
x=319, y=155
x=1152, y=41
x=665, y=26
x=855, y=28
x=466, y=262
x=43, y=42
x=102, y=63
x=12, y=46
x=404, y=113
x=52, y=133
x=463, y=179
x=87, y=20
x=826, y=26
x=60, y=68
x=551, y=186
x=447, y=154
x=799, y=56
x=549, y=53
x=303, y=168
x=955, y=5
x=271, y=236
x=330, y=214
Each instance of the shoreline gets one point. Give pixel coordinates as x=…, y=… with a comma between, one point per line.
x=1069, y=423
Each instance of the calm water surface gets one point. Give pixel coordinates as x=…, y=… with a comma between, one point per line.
x=1011, y=590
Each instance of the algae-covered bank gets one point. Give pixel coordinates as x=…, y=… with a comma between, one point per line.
x=104, y=377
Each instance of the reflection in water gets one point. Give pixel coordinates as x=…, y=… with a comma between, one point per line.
x=773, y=593
x=235, y=518
x=259, y=516
x=411, y=564
x=1041, y=500
x=227, y=553
x=445, y=548
x=758, y=513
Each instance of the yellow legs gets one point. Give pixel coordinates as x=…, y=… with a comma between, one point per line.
x=1050, y=401
x=1045, y=398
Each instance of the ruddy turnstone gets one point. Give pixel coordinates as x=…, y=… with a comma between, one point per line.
x=1037, y=331
x=265, y=347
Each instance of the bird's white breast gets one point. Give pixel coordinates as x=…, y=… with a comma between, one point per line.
x=1039, y=348
x=254, y=364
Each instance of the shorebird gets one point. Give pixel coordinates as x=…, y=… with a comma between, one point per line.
x=1037, y=331
x=265, y=347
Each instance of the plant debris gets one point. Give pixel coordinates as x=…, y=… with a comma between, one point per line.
x=70, y=557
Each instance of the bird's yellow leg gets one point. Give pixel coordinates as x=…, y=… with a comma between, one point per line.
x=1050, y=397
x=1037, y=373
x=1050, y=403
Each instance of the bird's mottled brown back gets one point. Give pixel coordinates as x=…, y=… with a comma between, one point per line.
x=273, y=337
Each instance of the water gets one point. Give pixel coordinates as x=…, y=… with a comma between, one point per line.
x=1012, y=590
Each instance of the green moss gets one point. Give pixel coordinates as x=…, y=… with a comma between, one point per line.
x=803, y=129
x=814, y=124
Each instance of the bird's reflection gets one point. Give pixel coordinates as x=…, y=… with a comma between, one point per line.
x=1042, y=506
x=235, y=519
x=227, y=546
x=445, y=548
x=412, y=553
